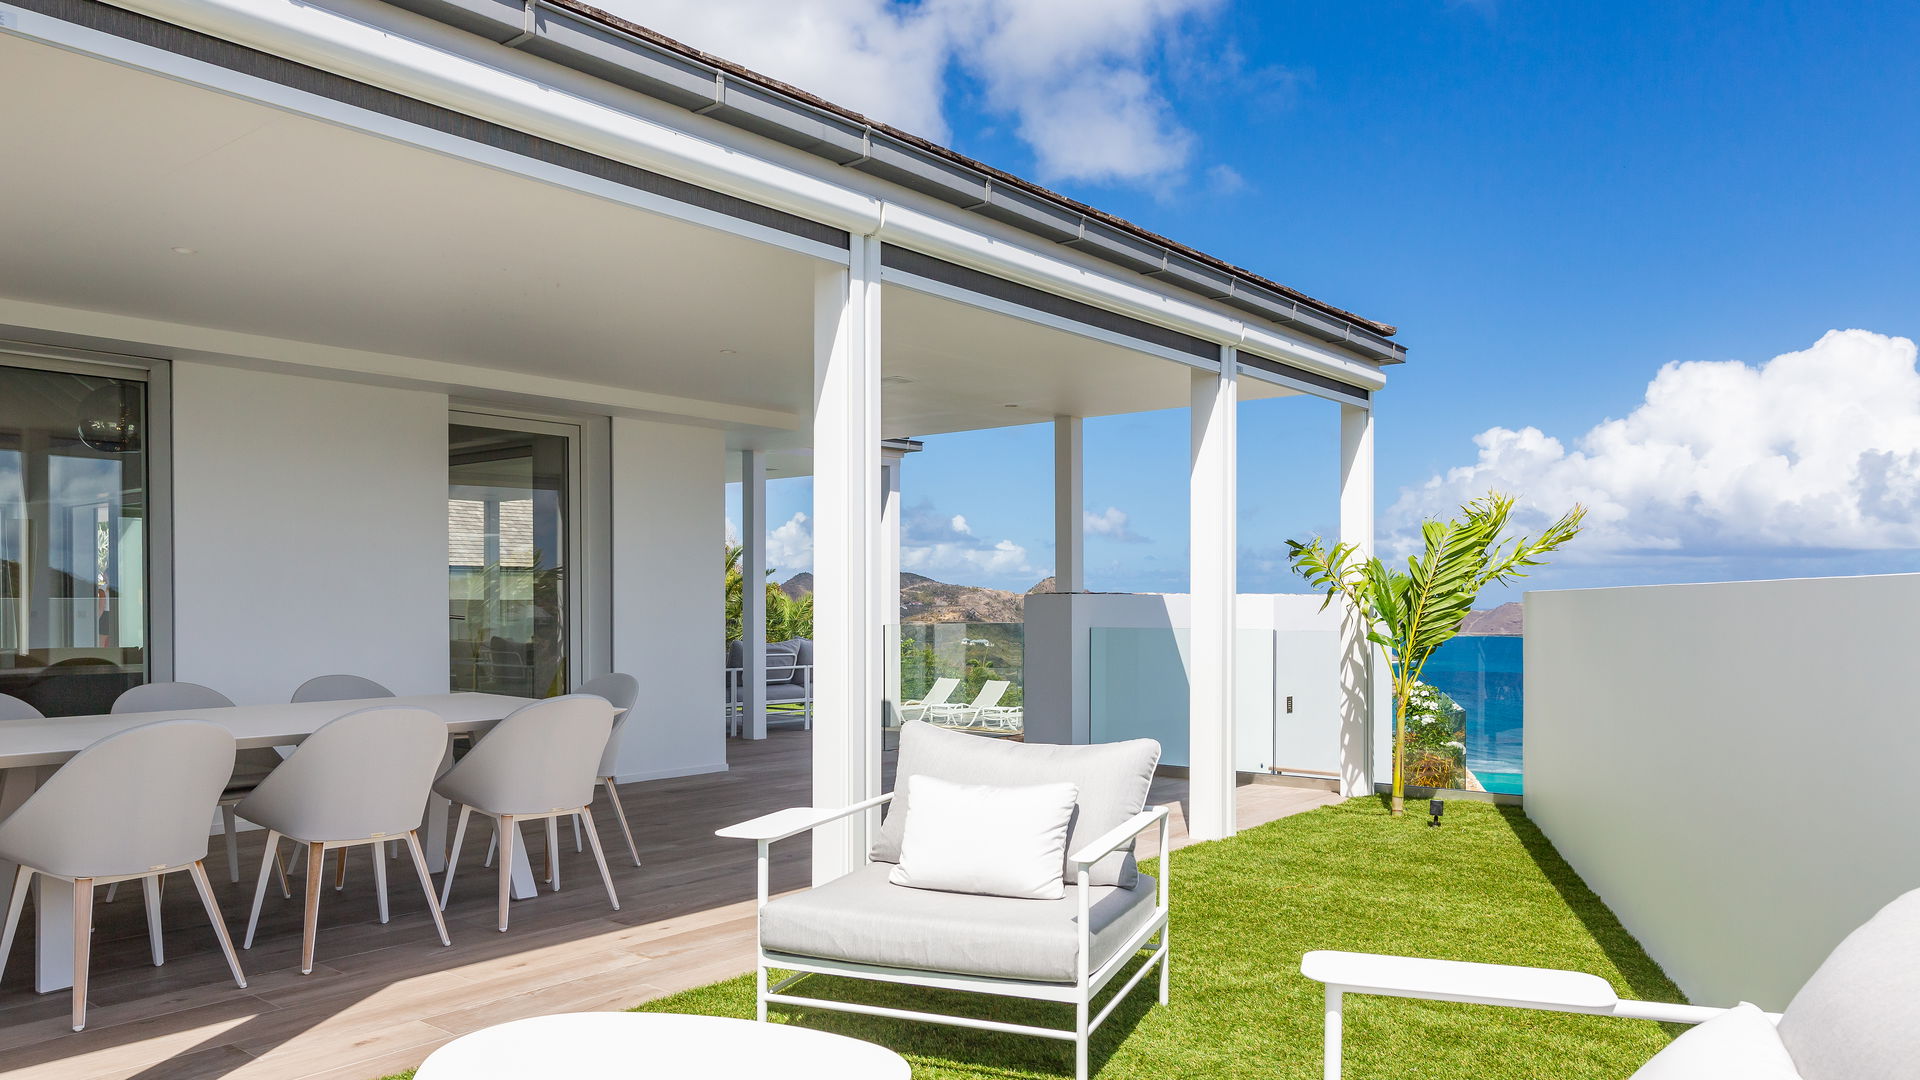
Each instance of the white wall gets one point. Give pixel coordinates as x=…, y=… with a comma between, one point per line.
x=1286, y=646
x=1729, y=766
x=310, y=532
x=669, y=608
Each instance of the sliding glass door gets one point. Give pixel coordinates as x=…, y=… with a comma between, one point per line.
x=73, y=537
x=510, y=554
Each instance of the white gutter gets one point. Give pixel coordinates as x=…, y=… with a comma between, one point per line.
x=370, y=54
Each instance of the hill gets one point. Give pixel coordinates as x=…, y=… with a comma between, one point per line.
x=1507, y=620
x=924, y=600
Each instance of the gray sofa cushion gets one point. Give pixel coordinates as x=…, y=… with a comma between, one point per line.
x=1858, y=1017
x=1113, y=779
x=865, y=919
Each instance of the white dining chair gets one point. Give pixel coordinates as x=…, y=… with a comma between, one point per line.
x=361, y=780
x=250, y=765
x=12, y=708
x=621, y=691
x=339, y=688
x=540, y=763
x=132, y=806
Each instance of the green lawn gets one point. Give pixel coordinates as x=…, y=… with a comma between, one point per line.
x=1487, y=886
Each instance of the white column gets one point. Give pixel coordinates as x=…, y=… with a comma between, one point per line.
x=847, y=561
x=1069, y=506
x=1357, y=690
x=890, y=462
x=1210, y=648
x=753, y=592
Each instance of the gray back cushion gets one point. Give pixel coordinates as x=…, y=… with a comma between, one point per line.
x=1113, y=779
x=1858, y=1017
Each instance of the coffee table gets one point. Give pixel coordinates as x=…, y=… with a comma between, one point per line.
x=658, y=1046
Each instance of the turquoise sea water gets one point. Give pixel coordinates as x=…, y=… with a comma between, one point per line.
x=1483, y=674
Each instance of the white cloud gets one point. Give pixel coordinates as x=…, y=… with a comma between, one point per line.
x=733, y=533
x=1079, y=78
x=1816, y=451
x=945, y=547
x=1111, y=523
x=790, y=547
x=959, y=525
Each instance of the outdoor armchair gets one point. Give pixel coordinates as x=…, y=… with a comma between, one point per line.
x=987, y=700
x=864, y=926
x=1856, y=1018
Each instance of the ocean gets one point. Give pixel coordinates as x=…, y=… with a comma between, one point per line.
x=1483, y=674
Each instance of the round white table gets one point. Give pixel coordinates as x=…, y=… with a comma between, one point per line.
x=658, y=1046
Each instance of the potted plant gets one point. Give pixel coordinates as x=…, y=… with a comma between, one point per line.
x=1410, y=613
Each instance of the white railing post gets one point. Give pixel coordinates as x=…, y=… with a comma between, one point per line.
x=847, y=567
x=1210, y=675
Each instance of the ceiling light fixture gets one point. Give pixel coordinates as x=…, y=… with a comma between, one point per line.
x=185, y=251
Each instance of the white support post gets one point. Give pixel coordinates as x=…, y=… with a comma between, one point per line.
x=891, y=460
x=1358, y=692
x=847, y=569
x=1069, y=506
x=753, y=593
x=1211, y=644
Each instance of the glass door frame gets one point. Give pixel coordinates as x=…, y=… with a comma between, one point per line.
x=589, y=618
x=158, y=446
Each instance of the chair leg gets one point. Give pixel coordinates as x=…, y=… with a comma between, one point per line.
x=82, y=947
x=280, y=869
x=22, y=877
x=310, y=928
x=380, y=877
x=508, y=832
x=453, y=857
x=1330, y=1052
x=339, y=869
x=1080, y=1036
x=113, y=890
x=760, y=991
x=579, y=845
x=492, y=843
x=269, y=861
x=620, y=815
x=553, y=853
x=199, y=872
x=231, y=819
x=600, y=857
x=150, y=892
x=1166, y=963
x=426, y=885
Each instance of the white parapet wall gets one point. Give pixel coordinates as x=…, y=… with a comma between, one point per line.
x=1729, y=766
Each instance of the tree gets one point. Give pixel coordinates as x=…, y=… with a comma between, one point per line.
x=787, y=617
x=1411, y=613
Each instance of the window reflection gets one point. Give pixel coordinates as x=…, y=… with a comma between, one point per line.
x=73, y=618
x=506, y=561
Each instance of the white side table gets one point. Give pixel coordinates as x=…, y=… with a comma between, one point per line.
x=658, y=1046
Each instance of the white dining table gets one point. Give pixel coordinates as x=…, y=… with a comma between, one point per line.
x=30, y=751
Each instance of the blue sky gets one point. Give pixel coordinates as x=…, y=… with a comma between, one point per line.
x=1555, y=202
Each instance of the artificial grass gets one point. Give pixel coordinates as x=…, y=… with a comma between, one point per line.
x=1486, y=886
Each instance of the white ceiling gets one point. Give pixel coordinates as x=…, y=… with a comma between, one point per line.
x=309, y=232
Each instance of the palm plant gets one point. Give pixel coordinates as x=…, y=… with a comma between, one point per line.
x=787, y=617
x=1411, y=613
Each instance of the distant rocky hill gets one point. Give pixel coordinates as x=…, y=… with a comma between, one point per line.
x=1506, y=620
x=925, y=600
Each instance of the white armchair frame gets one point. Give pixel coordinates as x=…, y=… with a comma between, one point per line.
x=737, y=700
x=769, y=829
x=1480, y=984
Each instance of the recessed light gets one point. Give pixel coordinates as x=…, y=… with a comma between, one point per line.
x=185, y=251
x=1010, y=405
x=729, y=352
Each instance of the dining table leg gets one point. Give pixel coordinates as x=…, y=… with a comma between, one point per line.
x=52, y=898
x=434, y=828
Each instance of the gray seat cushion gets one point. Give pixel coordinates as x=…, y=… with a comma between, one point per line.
x=1113, y=779
x=1858, y=1017
x=865, y=919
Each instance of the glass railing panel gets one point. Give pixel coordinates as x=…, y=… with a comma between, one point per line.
x=978, y=656
x=1483, y=675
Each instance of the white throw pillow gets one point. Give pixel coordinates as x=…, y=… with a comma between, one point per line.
x=1739, y=1044
x=990, y=841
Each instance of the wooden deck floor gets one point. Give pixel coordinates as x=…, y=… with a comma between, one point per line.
x=382, y=997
